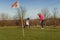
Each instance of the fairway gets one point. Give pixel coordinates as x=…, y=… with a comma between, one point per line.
x=30, y=34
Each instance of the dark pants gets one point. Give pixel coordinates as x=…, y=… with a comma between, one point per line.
x=27, y=26
x=42, y=23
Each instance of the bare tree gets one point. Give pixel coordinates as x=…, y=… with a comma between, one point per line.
x=21, y=14
x=46, y=13
x=55, y=11
x=23, y=10
x=4, y=16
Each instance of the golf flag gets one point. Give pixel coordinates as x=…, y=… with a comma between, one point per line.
x=15, y=5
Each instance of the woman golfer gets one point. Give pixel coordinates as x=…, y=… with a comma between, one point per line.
x=41, y=17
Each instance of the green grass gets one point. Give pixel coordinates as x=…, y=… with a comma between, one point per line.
x=30, y=34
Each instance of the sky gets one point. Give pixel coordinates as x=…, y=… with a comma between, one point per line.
x=33, y=7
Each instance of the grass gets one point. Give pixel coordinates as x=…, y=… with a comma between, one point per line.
x=30, y=33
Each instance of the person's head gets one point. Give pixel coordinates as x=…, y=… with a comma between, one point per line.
x=39, y=13
x=28, y=18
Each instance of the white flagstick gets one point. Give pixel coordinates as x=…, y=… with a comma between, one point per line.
x=22, y=22
x=20, y=14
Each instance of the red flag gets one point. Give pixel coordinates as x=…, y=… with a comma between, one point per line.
x=15, y=5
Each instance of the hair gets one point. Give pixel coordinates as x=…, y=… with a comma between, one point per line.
x=28, y=18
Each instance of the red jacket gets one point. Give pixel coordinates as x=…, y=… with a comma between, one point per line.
x=41, y=16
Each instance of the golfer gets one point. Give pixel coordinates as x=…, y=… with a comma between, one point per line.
x=27, y=23
x=41, y=17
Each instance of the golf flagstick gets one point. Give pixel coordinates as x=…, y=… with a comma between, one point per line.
x=22, y=22
x=20, y=14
